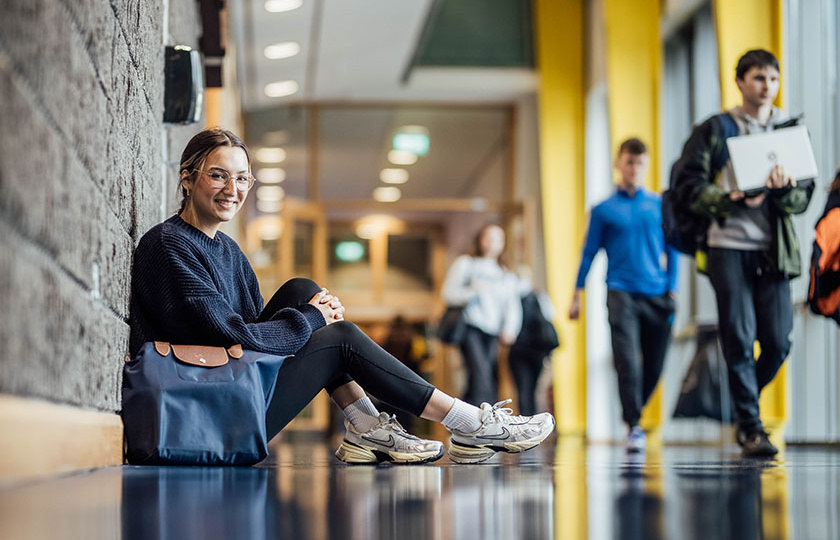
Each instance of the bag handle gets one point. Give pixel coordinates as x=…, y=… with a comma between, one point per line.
x=199, y=355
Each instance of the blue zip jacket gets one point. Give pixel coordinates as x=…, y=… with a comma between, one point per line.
x=629, y=228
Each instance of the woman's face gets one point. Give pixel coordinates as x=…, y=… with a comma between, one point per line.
x=211, y=205
x=492, y=242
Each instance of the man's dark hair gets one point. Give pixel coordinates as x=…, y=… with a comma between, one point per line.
x=755, y=58
x=633, y=146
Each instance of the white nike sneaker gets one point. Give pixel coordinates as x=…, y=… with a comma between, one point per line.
x=500, y=431
x=388, y=441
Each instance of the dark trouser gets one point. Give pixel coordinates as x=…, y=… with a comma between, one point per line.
x=526, y=365
x=333, y=356
x=641, y=332
x=753, y=303
x=480, y=352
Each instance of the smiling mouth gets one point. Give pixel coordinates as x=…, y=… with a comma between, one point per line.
x=224, y=202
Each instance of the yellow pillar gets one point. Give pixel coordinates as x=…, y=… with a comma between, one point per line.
x=741, y=26
x=633, y=62
x=560, y=49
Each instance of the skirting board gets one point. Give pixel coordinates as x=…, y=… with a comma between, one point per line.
x=42, y=439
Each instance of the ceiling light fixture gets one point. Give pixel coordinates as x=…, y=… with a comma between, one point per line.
x=281, y=88
x=394, y=176
x=268, y=207
x=279, y=51
x=269, y=154
x=270, y=193
x=279, y=6
x=401, y=157
x=271, y=175
x=387, y=194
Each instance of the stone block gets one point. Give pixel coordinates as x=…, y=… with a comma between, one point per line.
x=60, y=344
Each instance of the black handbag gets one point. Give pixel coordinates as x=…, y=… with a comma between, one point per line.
x=452, y=326
x=195, y=405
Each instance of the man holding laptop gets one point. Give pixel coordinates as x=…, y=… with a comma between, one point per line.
x=752, y=248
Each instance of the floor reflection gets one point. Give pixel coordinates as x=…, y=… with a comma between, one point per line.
x=560, y=491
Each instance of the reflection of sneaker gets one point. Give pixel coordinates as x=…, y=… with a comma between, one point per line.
x=500, y=431
x=388, y=441
x=757, y=444
x=636, y=440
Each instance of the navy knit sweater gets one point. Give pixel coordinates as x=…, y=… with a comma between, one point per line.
x=190, y=289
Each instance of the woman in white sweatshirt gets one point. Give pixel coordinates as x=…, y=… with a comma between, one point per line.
x=492, y=310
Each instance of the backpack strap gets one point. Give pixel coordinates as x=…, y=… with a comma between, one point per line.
x=728, y=129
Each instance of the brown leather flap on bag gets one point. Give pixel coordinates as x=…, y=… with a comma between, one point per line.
x=200, y=355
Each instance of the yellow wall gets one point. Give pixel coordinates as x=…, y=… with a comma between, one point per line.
x=741, y=26
x=633, y=74
x=560, y=54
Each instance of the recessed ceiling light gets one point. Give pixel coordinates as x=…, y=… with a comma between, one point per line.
x=394, y=176
x=268, y=207
x=279, y=6
x=271, y=175
x=269, y=154
x=286, y=49
x=270, y=193
x=281, y=88
x=401, y=157
x=387, y=194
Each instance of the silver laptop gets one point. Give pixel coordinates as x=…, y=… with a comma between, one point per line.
x=754, y=156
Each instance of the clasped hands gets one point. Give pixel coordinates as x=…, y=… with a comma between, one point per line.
x=329, y=305
x=777, y=179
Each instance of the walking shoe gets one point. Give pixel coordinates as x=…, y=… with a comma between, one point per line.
x=388, y=441
x=636, y=440
x=757, y=444
x=500, y=431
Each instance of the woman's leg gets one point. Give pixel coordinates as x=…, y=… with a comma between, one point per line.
x=332, y=353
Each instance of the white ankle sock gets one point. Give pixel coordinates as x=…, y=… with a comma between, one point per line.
x=463, y=417
x=362, y=414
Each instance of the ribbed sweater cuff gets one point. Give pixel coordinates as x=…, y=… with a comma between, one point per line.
x=313, y=316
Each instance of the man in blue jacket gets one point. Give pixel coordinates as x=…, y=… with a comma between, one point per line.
x=641, y=283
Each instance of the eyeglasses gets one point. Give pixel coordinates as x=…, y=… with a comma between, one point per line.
x=220, y=178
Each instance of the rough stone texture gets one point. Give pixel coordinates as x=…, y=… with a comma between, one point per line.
x=82, y=165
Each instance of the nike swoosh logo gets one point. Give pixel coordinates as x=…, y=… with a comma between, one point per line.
x=389, y=442
x=503, y=435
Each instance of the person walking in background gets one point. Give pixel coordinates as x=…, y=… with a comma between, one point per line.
x=752, y=247
x=492, y=311
x=191, y=284
x=641, y=283
x=534, y=344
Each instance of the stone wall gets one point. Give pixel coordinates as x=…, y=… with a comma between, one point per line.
x=83, y=174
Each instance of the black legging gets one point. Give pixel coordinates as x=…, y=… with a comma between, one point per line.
x=335, y=355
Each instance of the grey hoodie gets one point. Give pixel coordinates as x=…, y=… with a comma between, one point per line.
x=747, y=229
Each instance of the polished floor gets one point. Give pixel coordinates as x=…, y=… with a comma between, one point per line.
x=560, y=490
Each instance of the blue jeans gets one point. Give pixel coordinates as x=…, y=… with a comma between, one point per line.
x=753, y=303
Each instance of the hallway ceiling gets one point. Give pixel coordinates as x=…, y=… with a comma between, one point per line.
x=356, y=61
x=356, y=50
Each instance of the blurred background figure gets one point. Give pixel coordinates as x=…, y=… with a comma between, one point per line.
x=492, y=311
x=534, y=344
x=407, y=345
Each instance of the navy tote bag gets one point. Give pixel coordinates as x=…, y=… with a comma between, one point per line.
x=195, y=405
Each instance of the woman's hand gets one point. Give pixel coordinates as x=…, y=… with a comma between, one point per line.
x=329, y=306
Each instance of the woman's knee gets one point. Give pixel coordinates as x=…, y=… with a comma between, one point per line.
x=299, y=290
